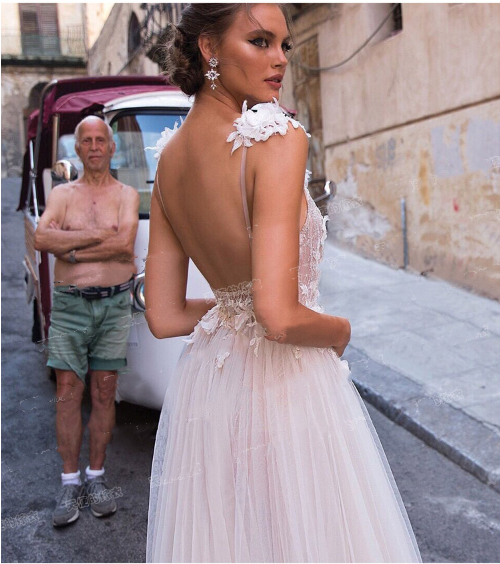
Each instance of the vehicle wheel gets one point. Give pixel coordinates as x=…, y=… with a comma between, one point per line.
x=36, y=330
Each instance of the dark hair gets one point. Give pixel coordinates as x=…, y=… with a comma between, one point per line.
x=182, y=61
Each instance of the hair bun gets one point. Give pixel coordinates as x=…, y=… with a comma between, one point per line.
x=182, y=61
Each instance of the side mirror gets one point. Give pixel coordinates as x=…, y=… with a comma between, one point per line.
x=322, y=189
x=64, y=171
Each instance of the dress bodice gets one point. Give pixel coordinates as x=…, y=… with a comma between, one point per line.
x=234, y=304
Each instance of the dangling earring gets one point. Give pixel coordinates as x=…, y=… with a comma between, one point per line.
x=212, y=74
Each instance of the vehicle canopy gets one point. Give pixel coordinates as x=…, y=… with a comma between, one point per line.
x=71, y=100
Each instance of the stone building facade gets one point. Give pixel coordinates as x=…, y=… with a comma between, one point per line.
x=128, y=41
x=410, y=132
x=40, y=42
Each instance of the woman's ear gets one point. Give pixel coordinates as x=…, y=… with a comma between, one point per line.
x=205, y=44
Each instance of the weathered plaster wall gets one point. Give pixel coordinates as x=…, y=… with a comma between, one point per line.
x=445, y=169
x=71, y=21
x=11, y=38
x=415, y=115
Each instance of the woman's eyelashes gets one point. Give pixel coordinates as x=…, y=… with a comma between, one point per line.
x=286, y=46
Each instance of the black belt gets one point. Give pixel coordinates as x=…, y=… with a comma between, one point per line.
x=98, y=292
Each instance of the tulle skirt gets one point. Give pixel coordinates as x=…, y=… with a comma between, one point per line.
x=270, y=457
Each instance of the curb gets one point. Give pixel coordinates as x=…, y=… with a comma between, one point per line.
x=448, y=429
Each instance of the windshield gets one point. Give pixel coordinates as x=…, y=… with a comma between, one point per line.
x=133, y=164
x=66, y=150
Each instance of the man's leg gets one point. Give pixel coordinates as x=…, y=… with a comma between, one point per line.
x=69, y=430
x=107, y=354
x=102, y=418
x=67, y=354
x=101, y=424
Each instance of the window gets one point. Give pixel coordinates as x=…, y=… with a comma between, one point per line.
x=134, y=164
x=134, y=35
x=39, y=30
x=397, y=18
x=393, y=24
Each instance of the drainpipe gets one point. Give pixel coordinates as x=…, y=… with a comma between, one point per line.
x=405, y=232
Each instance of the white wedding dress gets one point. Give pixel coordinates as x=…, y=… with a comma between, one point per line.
x=265, y=452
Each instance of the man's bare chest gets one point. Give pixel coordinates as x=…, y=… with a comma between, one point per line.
x=88, y=211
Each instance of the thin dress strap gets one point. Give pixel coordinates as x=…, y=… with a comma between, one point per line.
x=244, y=193
x=155, y=185
x=259, y=123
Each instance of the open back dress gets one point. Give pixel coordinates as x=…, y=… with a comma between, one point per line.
x=265, y=452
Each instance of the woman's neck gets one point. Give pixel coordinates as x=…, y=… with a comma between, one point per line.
x=220, y=102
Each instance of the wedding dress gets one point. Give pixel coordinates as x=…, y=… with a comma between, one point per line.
x=265, y=452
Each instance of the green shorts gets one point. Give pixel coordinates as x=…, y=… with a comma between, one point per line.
x=88, y=333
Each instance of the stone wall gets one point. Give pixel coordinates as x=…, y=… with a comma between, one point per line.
x=17, y=83
x=109, y=54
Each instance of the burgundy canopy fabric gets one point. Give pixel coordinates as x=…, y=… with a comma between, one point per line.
x=73, y=99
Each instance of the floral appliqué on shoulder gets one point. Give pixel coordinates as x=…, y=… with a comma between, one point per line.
x=259, y=123
x=166, y=135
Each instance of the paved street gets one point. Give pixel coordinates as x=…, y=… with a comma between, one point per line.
x=425, y=352
x=455, y=516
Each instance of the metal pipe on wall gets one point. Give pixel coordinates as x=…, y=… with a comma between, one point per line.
x=405, y=232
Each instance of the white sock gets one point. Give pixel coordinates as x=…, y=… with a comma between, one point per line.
x=71, y=478
x=91, y=474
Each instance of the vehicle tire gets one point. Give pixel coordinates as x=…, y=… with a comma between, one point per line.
x=36, y=330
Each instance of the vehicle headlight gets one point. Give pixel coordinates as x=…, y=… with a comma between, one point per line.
x=139, y=293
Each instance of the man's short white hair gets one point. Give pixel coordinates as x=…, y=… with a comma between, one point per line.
x=92, y=119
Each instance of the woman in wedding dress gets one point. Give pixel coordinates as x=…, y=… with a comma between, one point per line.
x=265, y=451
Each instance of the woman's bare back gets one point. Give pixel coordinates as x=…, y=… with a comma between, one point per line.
x=199, y=181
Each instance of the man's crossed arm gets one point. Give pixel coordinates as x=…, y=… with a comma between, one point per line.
x=93, y=245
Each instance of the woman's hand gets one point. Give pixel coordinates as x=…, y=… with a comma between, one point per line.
x=339, y=349
x=273, y=337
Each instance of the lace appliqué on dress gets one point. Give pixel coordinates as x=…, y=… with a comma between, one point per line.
x=166, y=135
x=221, y=358
x=233, y=310
x=259, y=123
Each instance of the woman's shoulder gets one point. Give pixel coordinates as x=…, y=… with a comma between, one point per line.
x=260, y=122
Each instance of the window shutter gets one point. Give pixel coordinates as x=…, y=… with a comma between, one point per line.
x=30, y=32
x=39, y=29
x=47, y=14
x=48, y=19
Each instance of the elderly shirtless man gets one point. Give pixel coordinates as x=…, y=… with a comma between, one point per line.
x=90, y=226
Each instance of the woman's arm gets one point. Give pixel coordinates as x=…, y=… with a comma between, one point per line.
x=279, y=166
x=168, y=312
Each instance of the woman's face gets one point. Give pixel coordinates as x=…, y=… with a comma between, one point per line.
x=248, y=56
